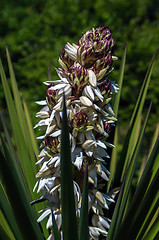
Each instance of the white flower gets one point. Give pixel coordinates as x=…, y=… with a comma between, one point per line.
x=83, y=74
x=71, y=51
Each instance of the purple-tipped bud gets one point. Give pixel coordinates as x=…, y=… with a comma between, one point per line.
x=93, y=45
x=78, y=77
x=65, y=61
x=51, y=144
x=103, y=66
x=51, y=97
x=105, y=87
x=107, y=127
x=79, y=120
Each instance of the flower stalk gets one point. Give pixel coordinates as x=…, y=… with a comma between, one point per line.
x=83, y=72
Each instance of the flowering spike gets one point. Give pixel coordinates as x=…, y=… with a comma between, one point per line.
x=83, y=73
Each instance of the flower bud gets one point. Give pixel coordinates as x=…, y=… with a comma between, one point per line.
x=51, y=144
x=65, y=61
x=51, y=97
x=78, y=78
x=102, y=66
x=93, y=45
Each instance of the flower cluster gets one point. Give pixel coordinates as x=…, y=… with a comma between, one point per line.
x=83, y=77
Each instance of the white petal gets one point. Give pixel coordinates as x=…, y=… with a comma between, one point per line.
x=59, y=220
x=42, y=102
x=54, y=188
x=51, y=237
x=86, y=101
x=94, y=233
x=67, y=90
x=104, y=222
x=101, y=144
x=73, y=143
x=36, y=184
x=77, y=190
x=95, y=209
x=115, y=58
x=98, y=93
x=50, y=182
x=101, y=152
x=89, y=153
x=53, y=159
x=41, y=137
x=100, y=198
x=114, y=88
x=56, y=133
x=101, y=171
x=44, y=167
x=45, y=108
x=49, y=222
x=41, y=184
x=105, y=134
x=58, y=86
x=42, y=153
x=71, y=51
x=88, y=144
x=89, y=92
x=52, y=115
x=109, y=145
x=96, y=156
x=40, y=161
x=42, y=122
x=92, y=176
x=109, y=109
x=78, y=161
x=45, y=214
x=92, y=78
x=57, y=163
x=42, y=114
x=58, y=106
x=90, y=136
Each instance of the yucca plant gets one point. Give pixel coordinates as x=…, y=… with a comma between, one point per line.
x=77, y=117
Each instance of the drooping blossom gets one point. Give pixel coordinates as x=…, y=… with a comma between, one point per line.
x=83, y=77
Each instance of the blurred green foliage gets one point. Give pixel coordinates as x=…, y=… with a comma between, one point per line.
x=36, y=31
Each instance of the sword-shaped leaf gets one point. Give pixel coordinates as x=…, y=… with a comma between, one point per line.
x=83, y=222
x=129, y=140
x=24, y=215
x=115, y=105
x=69, y=222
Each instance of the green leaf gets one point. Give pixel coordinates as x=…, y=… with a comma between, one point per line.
x=54, y=227
x=18, y=136
x=154, y=230
x=24, y=215
x=69, y=224
x=115, y=214
x=147, y=223
x=115, y=105
x=24, y=119
x=116, y=100
x=141, y=201
x=113, y=163
x=140, y=214
x=129, y=140
x=3, y=234
x=31, y=136
x=23, y=136
x=156, y=163
x=130, y=174
x=83, y=223
x=5, y=227
x=8, y=214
